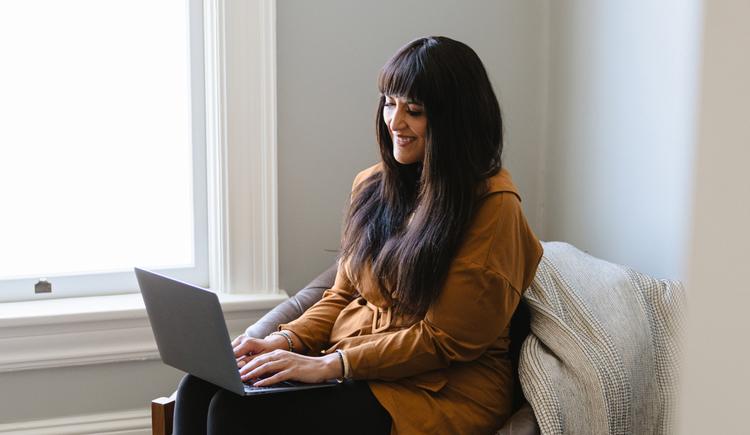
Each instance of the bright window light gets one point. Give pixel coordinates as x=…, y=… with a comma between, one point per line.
x=96, y=153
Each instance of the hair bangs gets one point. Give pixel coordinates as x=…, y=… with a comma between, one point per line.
x=403, y=75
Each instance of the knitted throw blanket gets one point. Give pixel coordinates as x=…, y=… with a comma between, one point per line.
x=602, y=356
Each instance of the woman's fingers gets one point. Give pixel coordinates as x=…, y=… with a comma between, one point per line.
x=244, y=359
x=241, y=361
x=265, y=369
x=247, y=345
x=257, y=361
x=275, y=379
x=295, y=367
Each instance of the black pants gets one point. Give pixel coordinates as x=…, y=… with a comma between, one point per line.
x=203, y=408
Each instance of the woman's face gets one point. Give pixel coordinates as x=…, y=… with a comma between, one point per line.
x=407, y=124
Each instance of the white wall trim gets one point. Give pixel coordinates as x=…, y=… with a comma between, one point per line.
x=132, y=422
x=268, y=255
x=216, y=143
x=104, y=329
x=241, y=138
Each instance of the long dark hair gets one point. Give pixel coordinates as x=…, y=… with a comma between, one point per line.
x=463, y=147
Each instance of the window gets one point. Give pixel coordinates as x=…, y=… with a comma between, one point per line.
x=218, y=92
x=102, y=145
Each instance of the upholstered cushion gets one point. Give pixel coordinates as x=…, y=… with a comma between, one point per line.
x=294, y=306
x=521, y=423
x=602, y=356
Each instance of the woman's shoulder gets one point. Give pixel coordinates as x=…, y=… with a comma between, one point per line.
x=502, y=181
x=499, y=237
x=365, y=174
x=499, y=201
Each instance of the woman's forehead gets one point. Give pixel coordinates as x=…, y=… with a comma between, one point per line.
x=403, y=98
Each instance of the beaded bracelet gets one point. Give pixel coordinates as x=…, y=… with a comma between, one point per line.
x=285, y=335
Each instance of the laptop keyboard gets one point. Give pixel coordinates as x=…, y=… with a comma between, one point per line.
x=249, y=385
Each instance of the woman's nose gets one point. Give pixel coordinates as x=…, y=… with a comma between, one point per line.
x=397, y=120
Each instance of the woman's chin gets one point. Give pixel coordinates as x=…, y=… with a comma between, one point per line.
x=405, y=161
x=407, y=158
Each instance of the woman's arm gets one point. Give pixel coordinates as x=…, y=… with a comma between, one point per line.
x=476, y=305
x=271, y=357
x=310, y=331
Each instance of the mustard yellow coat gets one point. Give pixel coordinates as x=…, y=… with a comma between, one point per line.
x=449, y=372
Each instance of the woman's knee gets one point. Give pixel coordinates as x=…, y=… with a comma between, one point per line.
x=231, y=414
x=193, y=396
x=191, y=385
x=223, y=415
x=191, y=405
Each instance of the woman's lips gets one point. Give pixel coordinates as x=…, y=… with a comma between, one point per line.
x=404, y=140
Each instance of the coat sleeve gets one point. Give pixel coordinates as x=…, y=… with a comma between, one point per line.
x=313, y=327
x=475, y=306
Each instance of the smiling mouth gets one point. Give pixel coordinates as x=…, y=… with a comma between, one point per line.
x=404, y=140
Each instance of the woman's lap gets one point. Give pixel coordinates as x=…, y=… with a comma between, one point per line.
x=347, y=408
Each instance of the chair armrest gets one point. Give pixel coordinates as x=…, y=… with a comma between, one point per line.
x=294, y=306
x=523, y=422
x=162, y=414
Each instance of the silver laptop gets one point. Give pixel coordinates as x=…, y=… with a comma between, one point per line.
x=191, y=334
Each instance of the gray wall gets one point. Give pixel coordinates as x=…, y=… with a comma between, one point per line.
x=329, y=55
x=621, y=130
x=90, y=389
x=620, y=144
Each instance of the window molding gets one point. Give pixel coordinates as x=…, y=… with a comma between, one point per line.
x=97, y=330
x=240, y=68
x=128, y=422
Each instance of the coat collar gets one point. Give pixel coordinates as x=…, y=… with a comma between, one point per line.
x=501, y=182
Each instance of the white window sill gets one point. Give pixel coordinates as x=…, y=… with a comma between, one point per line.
x=95, y=330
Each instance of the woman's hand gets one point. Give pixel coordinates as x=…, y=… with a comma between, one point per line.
x=281, y=365
x=245, y=348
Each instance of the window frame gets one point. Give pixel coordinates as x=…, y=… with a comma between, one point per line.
x=241, y=144
x=233, y=108
x=123, y=281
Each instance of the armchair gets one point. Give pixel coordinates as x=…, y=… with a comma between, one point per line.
x=598, y=346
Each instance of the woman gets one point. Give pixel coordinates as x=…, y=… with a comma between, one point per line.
x=435, y=255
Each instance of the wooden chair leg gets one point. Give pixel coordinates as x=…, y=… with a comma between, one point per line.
x=162, y=412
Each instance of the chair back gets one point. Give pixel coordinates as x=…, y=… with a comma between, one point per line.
x=520, y=326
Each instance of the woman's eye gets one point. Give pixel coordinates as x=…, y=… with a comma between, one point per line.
x=414, y=112
x=389, y=104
